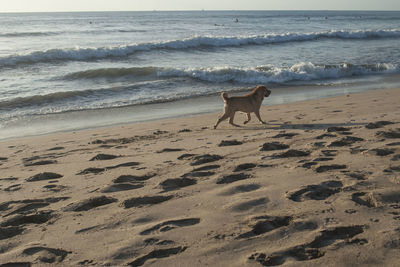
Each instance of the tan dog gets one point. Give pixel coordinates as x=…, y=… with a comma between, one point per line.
x=246, y=104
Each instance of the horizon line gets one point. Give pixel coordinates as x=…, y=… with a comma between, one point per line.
x=201, y=10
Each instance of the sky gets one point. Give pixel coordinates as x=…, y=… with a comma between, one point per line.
x=139, y=5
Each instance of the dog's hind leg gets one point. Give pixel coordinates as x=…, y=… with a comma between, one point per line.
x=222, y=118
x=248, y=118
x=259, y=117
x=231, y=120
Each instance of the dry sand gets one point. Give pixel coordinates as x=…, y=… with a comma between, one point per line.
x=318, y=186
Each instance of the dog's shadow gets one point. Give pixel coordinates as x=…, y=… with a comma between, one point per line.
x=290, y=126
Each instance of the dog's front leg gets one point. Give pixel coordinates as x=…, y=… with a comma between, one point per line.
x=248, y=118
x=259, y=117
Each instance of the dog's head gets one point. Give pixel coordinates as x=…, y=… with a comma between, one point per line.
x=262, y=90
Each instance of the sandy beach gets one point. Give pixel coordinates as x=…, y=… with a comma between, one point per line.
x=319, y=185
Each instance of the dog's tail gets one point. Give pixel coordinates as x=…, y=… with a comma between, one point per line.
x=224, y=96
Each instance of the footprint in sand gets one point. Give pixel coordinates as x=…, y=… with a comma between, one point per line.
x=186, y=156
x=252, y=204
x=37, y=161
x=233, y=142
x=104, y=157
x=198, y=174
x=28, y=205
x=244, y=166
x=338, y=129
x=392, y=169
x=389, y=134
x=365, y=199
x=378, y=124
x=36, y=218
x=309, y=164
x=292, y=153
x=44, y=176
x=9, y=179
x=394, y=144
x=143, y=201
x=241, y=189
x=227, y=179
x=156, y=254
x=325, y=168
x=170, y=225
x=177, y=183
x=322, y=136
x=133, y=178
x=170, y=150
x=90, y=203
x=100, y=170
x=359, y=175
x=263, y=224
x=346, y=141
x=382, y=152
x=204, y=171
x=206, y=158
x=206, y=168
x=2, y=160
x=13, y=188
x=310, y=251
x=91, y=171
x=121, y=187
x=273, y=146
x=316, y=192
x=55, y=187
x=47, y=255
x=16, y=264
x=395, y=157
x=329, y=152
x=157, y=242
x=285, y=135
x=56, y=148
x=10, y=231
x=127, y=182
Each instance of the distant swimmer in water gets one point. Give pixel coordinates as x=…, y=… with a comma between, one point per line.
x=236, y=20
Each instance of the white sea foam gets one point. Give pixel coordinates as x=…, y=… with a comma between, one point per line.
x=143, y=77
x=303, y=71
x=90, y=53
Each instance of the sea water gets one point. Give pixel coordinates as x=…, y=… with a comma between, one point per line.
x=68, y=71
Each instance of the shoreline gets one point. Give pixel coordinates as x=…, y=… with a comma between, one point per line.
x=318, y=185
x=30, y=126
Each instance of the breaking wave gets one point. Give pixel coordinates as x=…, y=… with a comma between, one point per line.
x=304, y=71
x=81, y=54
x=140, y=78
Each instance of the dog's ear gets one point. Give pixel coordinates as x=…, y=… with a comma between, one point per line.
x=260, y=89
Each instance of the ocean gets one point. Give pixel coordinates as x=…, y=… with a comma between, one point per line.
x=72, y=71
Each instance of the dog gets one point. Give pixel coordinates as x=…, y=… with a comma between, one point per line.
x=246, y=104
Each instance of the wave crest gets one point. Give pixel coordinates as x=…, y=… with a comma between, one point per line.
x=80, y=54
x=146, y=77
x=303, y=71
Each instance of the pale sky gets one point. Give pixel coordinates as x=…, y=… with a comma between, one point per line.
x=133, y=5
